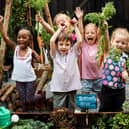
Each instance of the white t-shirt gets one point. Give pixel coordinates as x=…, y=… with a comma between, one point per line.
x=66, y=76
x=22, y=69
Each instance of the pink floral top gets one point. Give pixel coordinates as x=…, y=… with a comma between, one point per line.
x=112, y=73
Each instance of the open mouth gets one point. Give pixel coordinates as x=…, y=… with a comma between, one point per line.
x=90, y=39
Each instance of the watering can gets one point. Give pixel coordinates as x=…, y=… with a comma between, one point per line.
x=4, y=117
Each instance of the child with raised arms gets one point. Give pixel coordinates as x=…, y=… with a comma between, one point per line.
x=90, y=71
x=66, y=78
x=23, y=72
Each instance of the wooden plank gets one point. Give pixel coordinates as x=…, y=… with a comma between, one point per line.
x=48, y=15
x=3, y=46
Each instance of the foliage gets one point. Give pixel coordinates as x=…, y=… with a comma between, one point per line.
x=118, y=121
x=18, y=13
x=45, y=36
x=125, y=106
x=98, y=18
x=37, y=4
x=63, y=118
x=30, y=124
x=104, y=122
x=127, y=64
x=115, y=54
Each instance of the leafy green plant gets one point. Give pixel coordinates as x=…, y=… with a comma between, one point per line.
x=98, y=18
x=115, y=54
x=125, y=106
x=127, y=64
x=18, y=12
x=31, y=124
x=118, y=121
x=104, y=122
x=37, y=4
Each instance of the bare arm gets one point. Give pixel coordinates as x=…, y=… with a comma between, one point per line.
x=9, y=42
x=35, y=56
x=107, y=40
x=78, y=34
x=79, y=14
x=45, y=24
x=53, y=41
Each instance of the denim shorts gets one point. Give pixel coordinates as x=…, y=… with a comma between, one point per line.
x=91, y=85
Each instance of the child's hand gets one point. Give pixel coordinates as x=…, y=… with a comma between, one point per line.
x=125, y=75
x=74, y=22
x=79, y=12
x=38, y=18
x=62, y=26
x=106, y=24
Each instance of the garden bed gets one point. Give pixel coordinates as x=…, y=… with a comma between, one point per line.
x=92, y=120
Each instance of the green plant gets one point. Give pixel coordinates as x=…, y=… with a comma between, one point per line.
x=104, y=122
x=98, y=18
x=125, y=106
x=127, y=64
x=118, y=121
x=30, y=124
x=18, y=13
x=116, y=54
x=38, y=6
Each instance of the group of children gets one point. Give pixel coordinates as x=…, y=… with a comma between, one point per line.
x=75, y=66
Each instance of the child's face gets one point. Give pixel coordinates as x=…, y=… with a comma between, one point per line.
x=63, y=47
x=90, y=34
x=120, y=41
x=23, y=38
x=63, y=19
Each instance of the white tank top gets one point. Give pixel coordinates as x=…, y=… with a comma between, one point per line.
x=22, y=66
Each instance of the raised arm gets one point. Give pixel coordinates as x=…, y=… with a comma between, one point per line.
x=45, y=24
x=53, y=40
x=78, y=34
x=107, y=39
x=79, y=14
x=9, y=42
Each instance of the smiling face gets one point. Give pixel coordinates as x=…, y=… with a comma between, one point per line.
x=23, y=38
x=62, y=18
x=64, y=42
x=91, y=33
x=120, y=39
x=63, y=47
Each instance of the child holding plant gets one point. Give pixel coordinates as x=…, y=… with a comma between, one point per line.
x=90, y=71
x=114, y=73
x=23, y=72
x=60, y=18
x=65, y=78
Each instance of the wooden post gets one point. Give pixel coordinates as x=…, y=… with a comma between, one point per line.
x=3, y=46
x=42, y=81
x=47, y=13
x=28, y=14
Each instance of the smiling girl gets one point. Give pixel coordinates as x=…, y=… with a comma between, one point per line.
x=23, y=72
